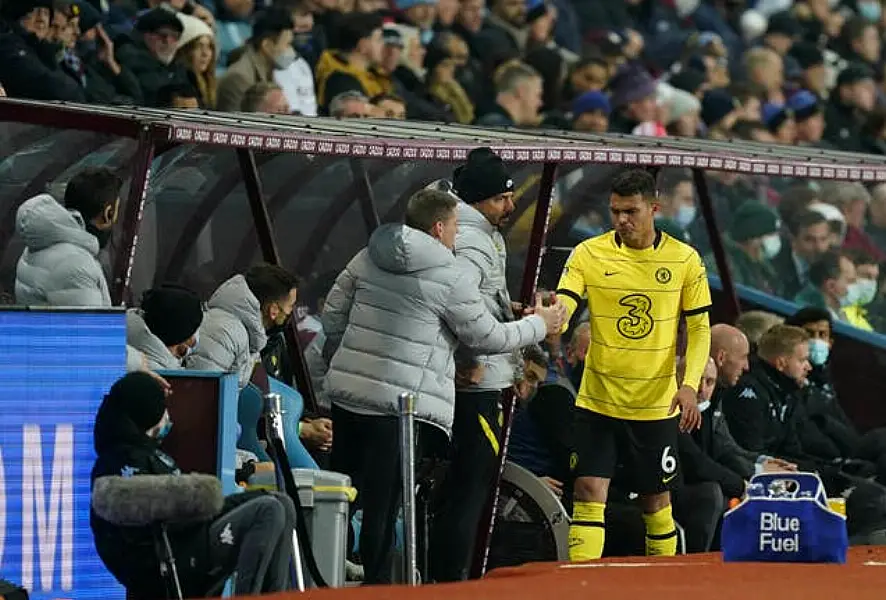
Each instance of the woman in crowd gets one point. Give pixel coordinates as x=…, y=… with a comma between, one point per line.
x=197, y=53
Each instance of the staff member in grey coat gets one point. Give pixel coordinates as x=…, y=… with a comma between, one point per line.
x=487, y=193
x=393, y=320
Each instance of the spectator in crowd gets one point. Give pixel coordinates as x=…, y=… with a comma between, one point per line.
x=812, y=74
x=269, y=49
x=179, y=96
x=518, y=97
x=632, y=99
x=297, y=80
x=234, y=26
x=421, y=15
x=148, y=53
x=848, y=105
x=753, y=242
x=809, y=118
x=353, y=65
x=779, y=120
x=853, y=200
x=265, y=97
x=836, y=221
x=350, y=105
x=861, y=40
x=390, y=106
x=589, y=74
x=165, y=328
x=254, y=528
x=60, y=266
x=782, y=33
x=504, y=29
x=232, y=334
x=406, y=285
x=197, y=53
x=719, y=112
x=765, y=67
x=29, y=61
x=754, y=323
x=809, y=238
x=830, y=285
x=864, y=289
x=447, y=56
x=590, y=113
x=682, y=114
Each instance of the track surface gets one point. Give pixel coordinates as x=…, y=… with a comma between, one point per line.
x=674, y=578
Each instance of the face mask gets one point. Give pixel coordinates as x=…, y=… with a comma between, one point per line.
x=771, y=246
x=285, y=59
x=102, y=235
x=190, y=349
x=870, y=11
x=850, y=298
x=703, y=406
x=426, y=36
x=818, y=352
x=164, y=431
x=685, y=215
x=866, y=290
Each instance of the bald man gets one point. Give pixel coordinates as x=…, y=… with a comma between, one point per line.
x=730, y=350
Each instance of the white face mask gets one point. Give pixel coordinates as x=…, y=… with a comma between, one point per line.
x=685, y=215
x=865, y=290
x=703, y=406
x=771, y=246
x=285, y=59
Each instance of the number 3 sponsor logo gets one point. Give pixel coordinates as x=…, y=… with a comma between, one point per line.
x=638, y=322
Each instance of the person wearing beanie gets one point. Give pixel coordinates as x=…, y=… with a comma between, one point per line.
x=779, y=119
x=812, y=73
x=752, y=242
x=165, y=328
x=719, y=111
x=782, y=32
x=30, y=67
x=590, y=113
x=197, y=54
x=808, y=114
x=849, y=105
x=421, y=14
x=690, y=80
x=632, y=98
x=130, y=426
x=682, y=114
x=486, y=189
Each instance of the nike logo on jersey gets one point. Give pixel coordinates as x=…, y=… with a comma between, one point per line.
x=610, y=273
x=668, y=479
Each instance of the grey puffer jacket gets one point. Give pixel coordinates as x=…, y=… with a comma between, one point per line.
x=59, y=266
x=393, y=320
x=482, y=257
x=232, y=334
x=138, y=336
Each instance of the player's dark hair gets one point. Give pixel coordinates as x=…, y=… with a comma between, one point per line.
x=270, y=25
x=809, y=314
x=825, y=268
x=270, y=283
x=535, y=355
x=92, y=190
x=633, y=182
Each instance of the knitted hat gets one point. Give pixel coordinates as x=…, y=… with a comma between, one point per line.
x=535, y=9
x=138, y=396
x=482, y=177
x=17, y=9
x=784, y=23
x=89, y=15
x=688, y=80
x=192, y=28
x=407, y=4
x=753, y=220
x=590, y=102
x=774, y=116
x=156, y=19
x=716, y=105
x=681, y=103
x=172, y=313
x=804, y=104
x=631, y=85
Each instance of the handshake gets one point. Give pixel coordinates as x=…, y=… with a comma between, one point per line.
x=553, y=313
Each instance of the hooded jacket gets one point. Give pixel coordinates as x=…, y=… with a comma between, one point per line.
x=231, y=334
x=142, y=339
x=482, y=256
x=59, y=266
x=393, y=320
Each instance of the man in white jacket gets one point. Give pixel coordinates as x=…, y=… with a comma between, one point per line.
x=393, y=320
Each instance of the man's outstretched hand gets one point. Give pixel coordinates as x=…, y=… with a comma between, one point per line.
x=687, y=399
x=554, y=315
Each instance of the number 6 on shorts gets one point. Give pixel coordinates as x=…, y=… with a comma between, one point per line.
x=668, y=462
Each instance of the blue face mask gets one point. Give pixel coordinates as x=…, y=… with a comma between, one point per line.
x=871, y=11
x=685, y=215
x=164, y=431
x=190, y=349
x=818, y=352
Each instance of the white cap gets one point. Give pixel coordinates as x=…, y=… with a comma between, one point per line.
x=753, y=24
x=192, y=28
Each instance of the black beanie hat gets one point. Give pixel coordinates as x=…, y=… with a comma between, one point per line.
x=753, y=220
x=139, y=397
x=18, y=9
x=172, y=313
x=482, y=177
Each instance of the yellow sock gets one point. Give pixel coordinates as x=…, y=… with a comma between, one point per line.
x=587, y=532
x=661, y=533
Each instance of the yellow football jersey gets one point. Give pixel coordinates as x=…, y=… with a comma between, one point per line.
x=635, y=299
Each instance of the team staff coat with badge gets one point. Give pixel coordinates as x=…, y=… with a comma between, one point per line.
x=635, y=300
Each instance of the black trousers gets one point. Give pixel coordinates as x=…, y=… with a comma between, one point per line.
x=476, y=436
x=699, y=508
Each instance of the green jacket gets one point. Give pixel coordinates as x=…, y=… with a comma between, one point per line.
x=745, y=270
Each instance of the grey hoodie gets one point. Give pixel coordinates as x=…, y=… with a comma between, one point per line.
x=156, y=354
x=232, y=334
x=393, y=319
x=59, y=266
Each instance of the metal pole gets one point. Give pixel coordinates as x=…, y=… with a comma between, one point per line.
x=367, y=196
x=716, y=240
x=531, y=269
x=407, y=467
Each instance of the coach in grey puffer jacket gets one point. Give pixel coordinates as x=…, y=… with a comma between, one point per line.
x=232, y=334
x=393, y=320
x=59, y=266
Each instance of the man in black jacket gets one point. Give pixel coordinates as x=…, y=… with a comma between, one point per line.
x=809, y=239
x=29, y=61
